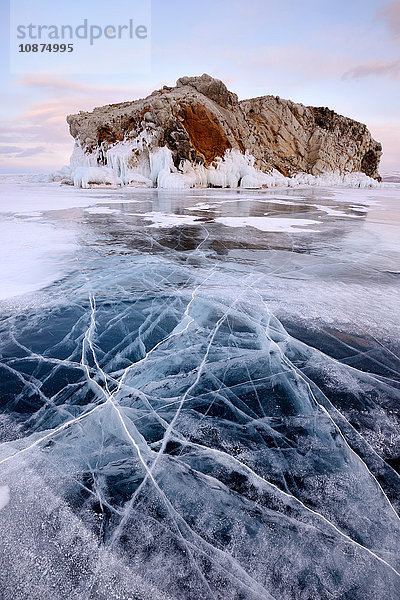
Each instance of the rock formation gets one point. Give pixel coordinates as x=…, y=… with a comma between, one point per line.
x=200, y=119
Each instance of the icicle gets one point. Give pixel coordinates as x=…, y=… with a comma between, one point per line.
x=131, y=162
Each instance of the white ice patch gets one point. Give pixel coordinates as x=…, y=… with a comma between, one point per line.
x=32, y=256
x=4, y=496
x=333, y=212
x=101, y=210
x=202, y=206
x=169, y=220
x=270, y=224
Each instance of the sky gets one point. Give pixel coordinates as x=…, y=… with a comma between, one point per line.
x=344, y=54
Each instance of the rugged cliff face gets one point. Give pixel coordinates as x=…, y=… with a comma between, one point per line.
x=200, y=119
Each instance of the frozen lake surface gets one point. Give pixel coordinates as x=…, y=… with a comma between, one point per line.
x=199, y=393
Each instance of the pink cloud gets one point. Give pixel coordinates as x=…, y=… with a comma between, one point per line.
x=390, y=13
x=9, y=149
x=30, y=152
x=381, y=68
x=44, y=122
x=56, y=85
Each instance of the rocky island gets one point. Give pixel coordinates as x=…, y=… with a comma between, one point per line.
x=199, y=134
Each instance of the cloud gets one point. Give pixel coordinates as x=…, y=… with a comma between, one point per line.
x=44, y=121
x=41, y=129
x=380, y=68
x=55, y=85
x=20, y=152
x=390, y=13
x=9, y=149
x=30, y=152
x=17, y=132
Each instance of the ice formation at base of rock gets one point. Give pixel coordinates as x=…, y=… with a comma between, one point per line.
x=132, y=163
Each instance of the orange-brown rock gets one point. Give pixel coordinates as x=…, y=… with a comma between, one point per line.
x=205, y=132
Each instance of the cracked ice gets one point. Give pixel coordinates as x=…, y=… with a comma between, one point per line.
x=193, y=411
